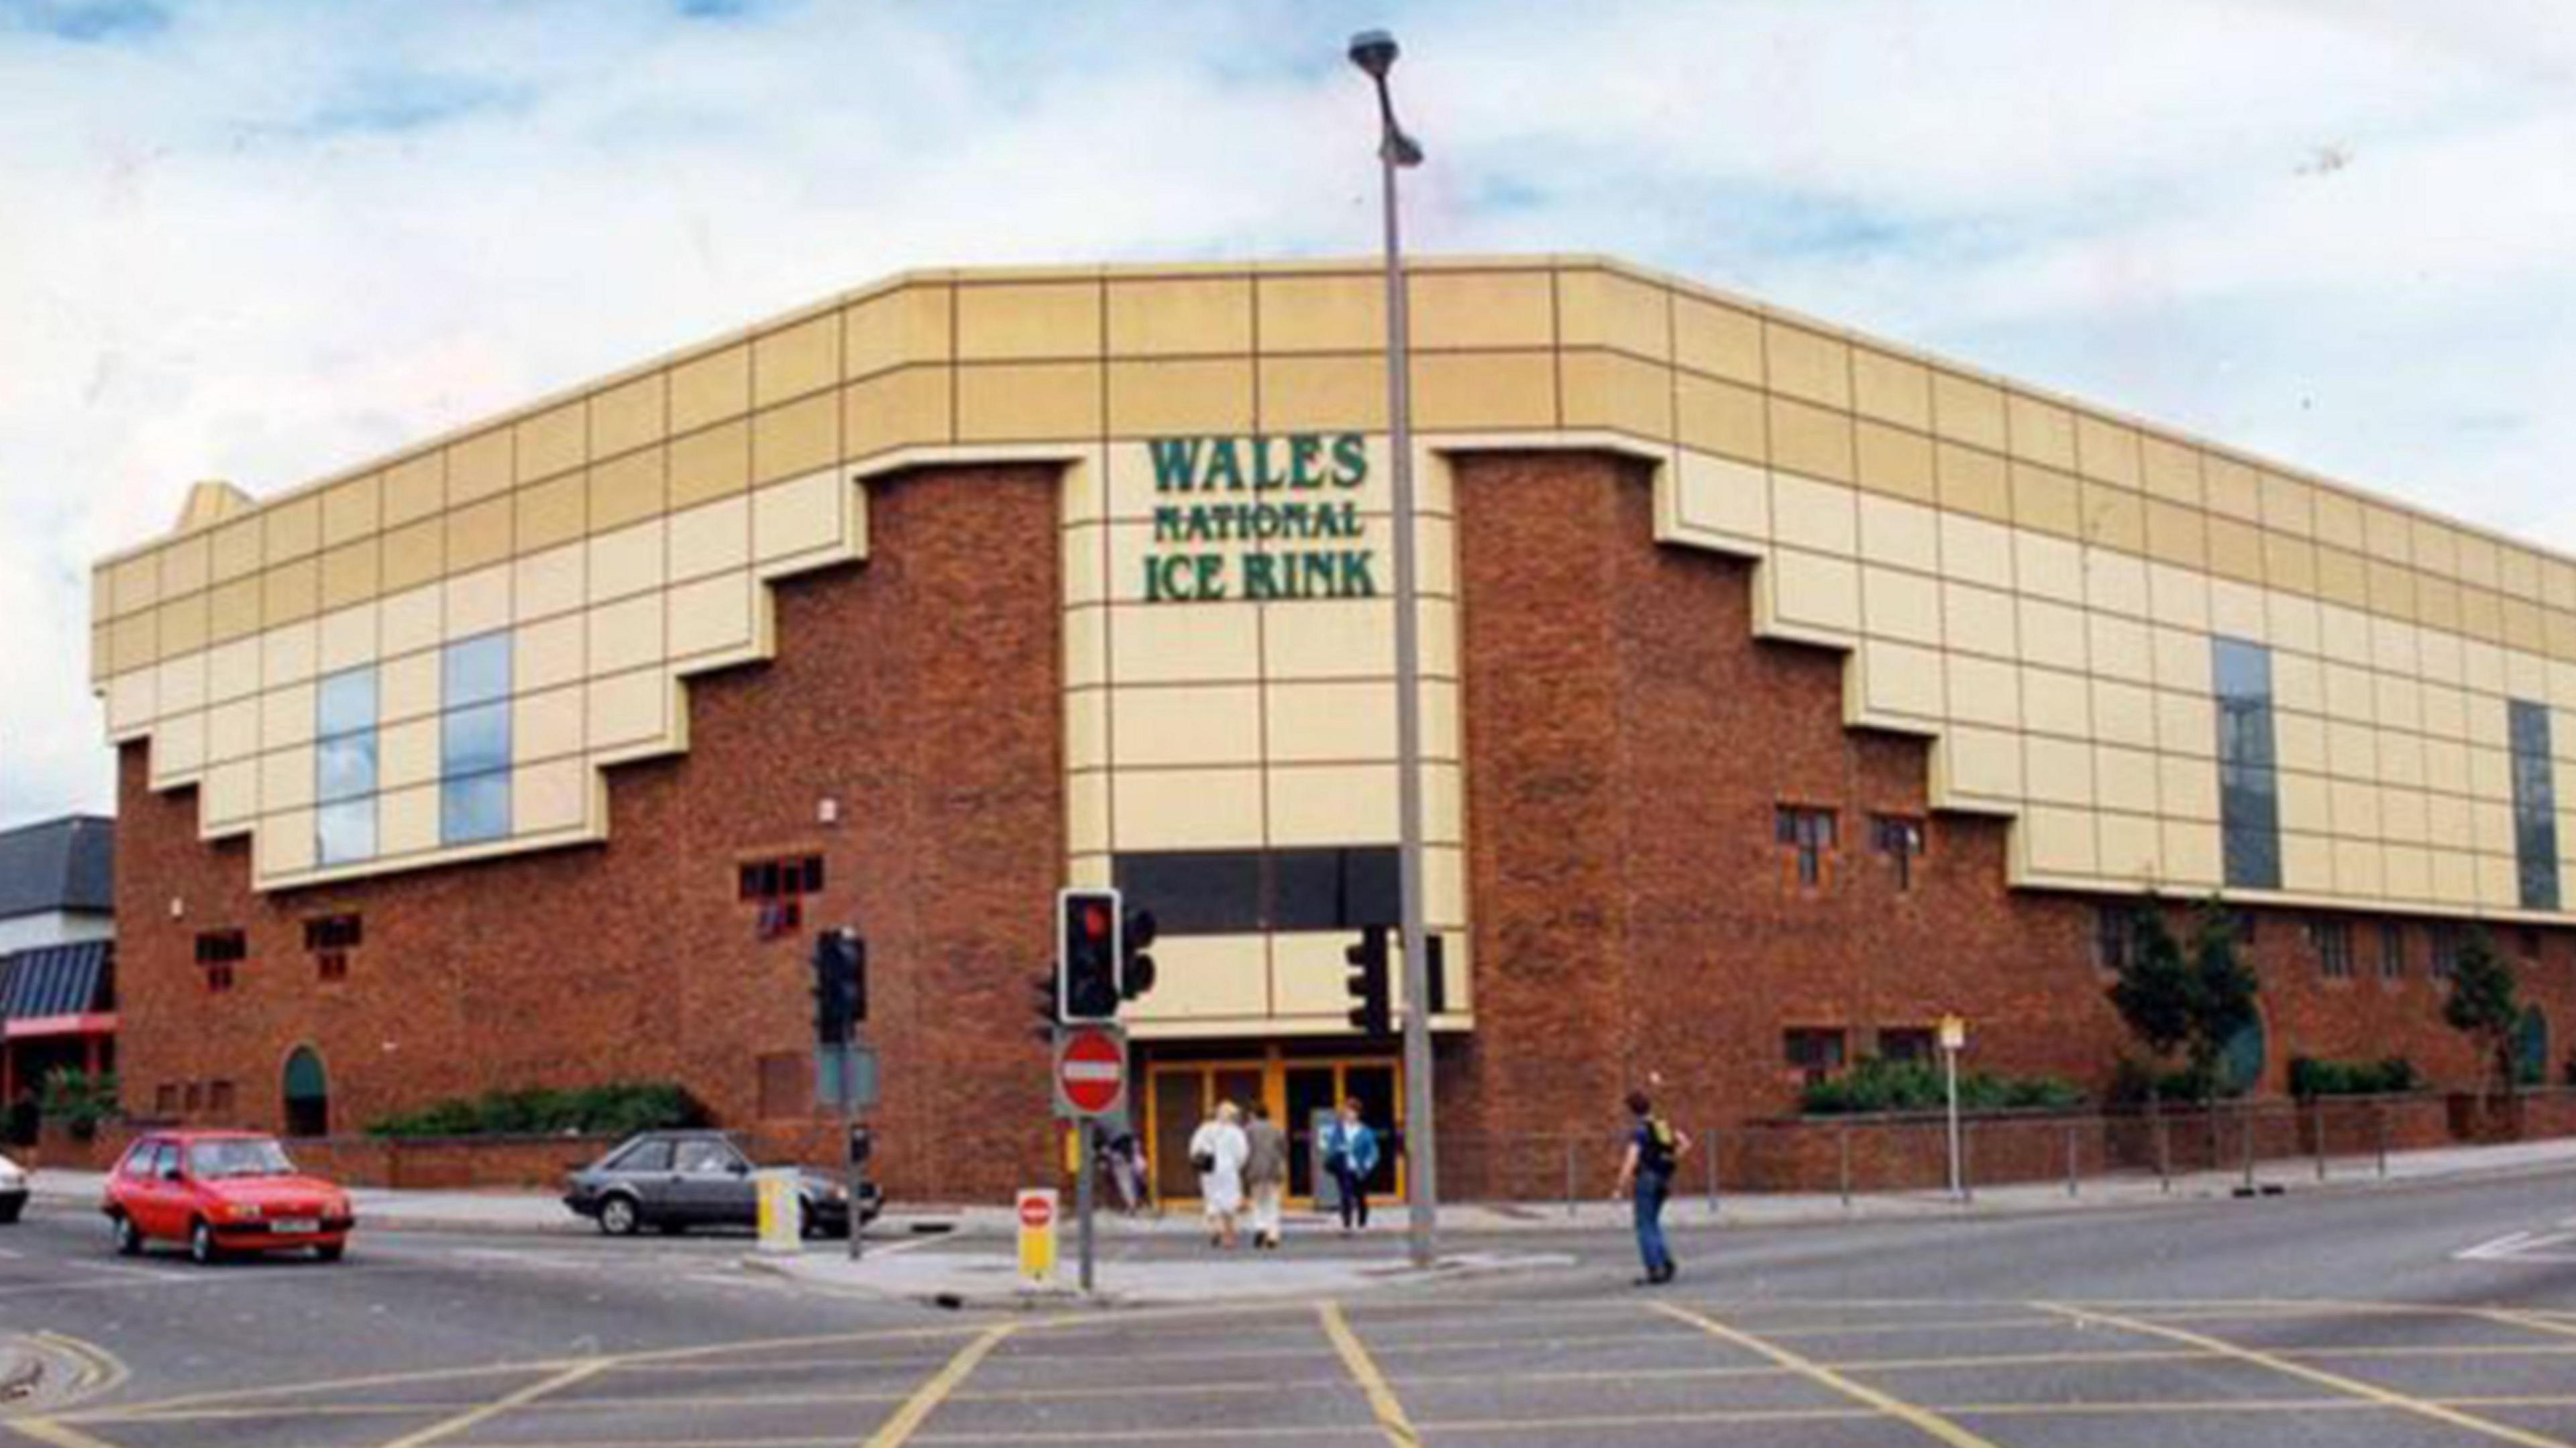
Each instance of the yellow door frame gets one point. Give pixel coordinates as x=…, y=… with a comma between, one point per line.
x=1273, y=1064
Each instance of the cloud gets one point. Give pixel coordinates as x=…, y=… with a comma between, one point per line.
x=264, y=242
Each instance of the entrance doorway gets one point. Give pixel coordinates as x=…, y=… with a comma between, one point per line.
x=308, y=1095
x=1297, y=1089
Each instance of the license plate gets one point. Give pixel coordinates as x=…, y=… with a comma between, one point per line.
x=295, y=1224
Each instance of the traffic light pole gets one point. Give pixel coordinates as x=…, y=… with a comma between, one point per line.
x=1085, y=1142
x=854, y=1172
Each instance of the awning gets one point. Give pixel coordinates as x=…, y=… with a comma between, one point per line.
x=58, y=980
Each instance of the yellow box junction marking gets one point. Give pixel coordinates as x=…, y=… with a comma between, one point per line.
x=2359, y=1389
x=450, y=1427
x=1381, y=1398
x=907, y=1420
x=1930, y=1423
x=53, y=1434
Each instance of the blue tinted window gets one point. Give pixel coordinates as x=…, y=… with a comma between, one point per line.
x=474, y=741
x=2249, y=791
x=2535, y=807
x=345, y=767
x=476, y=807
x=475, y=671
x=345, y=703
x=345, y=831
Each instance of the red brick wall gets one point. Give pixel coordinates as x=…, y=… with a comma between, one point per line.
x=1627, y=741
x=921, y=690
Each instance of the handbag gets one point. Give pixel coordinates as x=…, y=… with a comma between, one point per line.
x=1202, y=1162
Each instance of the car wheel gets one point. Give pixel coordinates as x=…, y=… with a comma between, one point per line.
x=201, y=1245
x=129, y=1242
x=330, y=1251
x=618, y=1217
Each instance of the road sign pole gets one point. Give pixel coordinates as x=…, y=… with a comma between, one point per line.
x=853, y=1172
x=1085, y=1139
x=1954, y=1038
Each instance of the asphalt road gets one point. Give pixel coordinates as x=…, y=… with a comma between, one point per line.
x=2426, y=1316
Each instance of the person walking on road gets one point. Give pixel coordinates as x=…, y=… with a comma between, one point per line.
x=1265, y=1174
x=1217, y=1150
x=1350, y=1154
x=1646, y=1179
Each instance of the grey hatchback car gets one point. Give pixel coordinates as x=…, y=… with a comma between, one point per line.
x=675, y=1180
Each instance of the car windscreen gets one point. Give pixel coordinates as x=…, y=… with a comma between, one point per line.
x=246, y=1158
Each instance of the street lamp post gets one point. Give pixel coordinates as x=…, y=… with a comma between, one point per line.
x=1374, y=51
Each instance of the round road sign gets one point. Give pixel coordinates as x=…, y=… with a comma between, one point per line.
x=1091, y=1070
x=1036, y=1211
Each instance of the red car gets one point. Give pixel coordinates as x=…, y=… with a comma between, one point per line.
x=222, y=1192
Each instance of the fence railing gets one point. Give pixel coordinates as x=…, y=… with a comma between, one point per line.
x=2247, y=1144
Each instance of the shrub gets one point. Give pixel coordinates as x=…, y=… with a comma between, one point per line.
x=615, y=1109
x=81, y=1101
x=2310, y=1077
x=1875, y=1085
x=2135, y=1082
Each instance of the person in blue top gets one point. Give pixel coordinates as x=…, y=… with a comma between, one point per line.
x=1646, y=1178
x=1350, y=1154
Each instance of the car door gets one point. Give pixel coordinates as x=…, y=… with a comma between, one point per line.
x=714, y=1183
x=161, y=1197
x=645, y=1171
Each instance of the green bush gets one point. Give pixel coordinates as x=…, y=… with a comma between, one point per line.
x=2310, y=1077
x=81, y=1101
x=1874, y=1085
x=616, y=1109
x=2134, y=1083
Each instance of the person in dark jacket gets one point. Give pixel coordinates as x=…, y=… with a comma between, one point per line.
x=1646, y=1179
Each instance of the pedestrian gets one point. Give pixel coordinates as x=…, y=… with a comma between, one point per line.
x=1350, y=1154
x=1646, y=1179
x=1127, y=1169
x=1217, y=1150
x=1265, y=1174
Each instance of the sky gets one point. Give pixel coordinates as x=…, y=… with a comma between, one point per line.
x=264, y=240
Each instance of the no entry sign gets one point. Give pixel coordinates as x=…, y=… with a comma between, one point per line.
x=1090, y=1070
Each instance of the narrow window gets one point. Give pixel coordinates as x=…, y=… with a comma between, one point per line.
x=2392, y=950
x=219, y=953
x=1816, y=1052
x=474, y=740
x=2249, y=804
x=2535, y=807
x=1808, y=836
x=344, y=767
x=330, y=939
x=2115, y=931
x=1906, y=1043
x=778, y=887
x=1900, y=838
x=2333, y=940
x=2445, y=951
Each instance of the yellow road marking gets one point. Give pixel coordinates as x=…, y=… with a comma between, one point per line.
x=57, y=1435
x=1923, y=1421
x=2533, y=1321
x=1363, y=1369
x=2337, y=1381
x=450, y=1427
x=907, y=1420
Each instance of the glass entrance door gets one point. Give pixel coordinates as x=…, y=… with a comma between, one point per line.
x=1181, y=1094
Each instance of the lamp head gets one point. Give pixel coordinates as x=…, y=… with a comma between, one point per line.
x=1374, y=51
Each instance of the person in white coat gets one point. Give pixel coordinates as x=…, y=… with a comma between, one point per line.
x=1217, y=1151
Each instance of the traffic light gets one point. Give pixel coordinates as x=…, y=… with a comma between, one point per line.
x=1046, y=1000
x=1087, y=955
x=840, y=985
x=1367, y=981
x=1135, y=967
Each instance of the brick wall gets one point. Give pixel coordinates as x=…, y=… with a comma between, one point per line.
x=920, y=690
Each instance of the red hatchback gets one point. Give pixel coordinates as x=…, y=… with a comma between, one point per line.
x=222, y=1192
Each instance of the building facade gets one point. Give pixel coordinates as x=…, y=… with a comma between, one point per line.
x=1783, y=690
x=57, y=958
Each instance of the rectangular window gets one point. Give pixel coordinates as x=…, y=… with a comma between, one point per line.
x=329, y=939
x=1907, y=1043
x=2445, y=954
x=1242, y=892
x=1808, y=835
x=2249, y=790
x=219, y=952
x=344, y=767
x=474, y=740
x=2115, y=933
x=1900, y=838
x=779, y=887
x=2392, y=950
x=2535, y=806
x=2333, y=940
x=1815, y=1051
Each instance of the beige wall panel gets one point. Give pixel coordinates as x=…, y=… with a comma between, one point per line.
x=2052, y=634
x=346, y=639
x=1029, y=402
x=1210, y=977
x=552, y=442
x=548, y=583
x=290, y=530
x=234, y=548
x=1891, y=389
x=2289, y=506
x=795, y=438
x=1719, y=340
x=136, y=583
x=2349, y=694
x=1811, y=440
x=1815, y=516
x=2289, y=563
x=478, y=535
x=628, y=709
x=477, y=603
x=479, y=467
x=2357, y=869
x=625, y=635
x=1979, y=620
x=2498, y=888
x=289, y=654
x=411, y=620
x=2299, y=741
x=630, y=560
x=1724, y=495
x=1332, y=722
x=1900, y=605
x=2482, y=669
x=628, y=416
x=2401, y=757
x=2455, y=878
x=286, y=778
x=407, y=821
x=2192, y=854
x=230, y=793
x=1167, y=643
x=2233, y=489
x=2407, y=872
x=2060, y=841
x=1892, y=531
x=2338, y=519
x=549, y=652
x=2186, y=788
x=2307, y=803
x=2177, y=535
x=284, y=843
x=2056, y=703
x=910, y=324
x=1332, y=805
x=2120, y=648
x=1614, y=391
x=1086, y=812
x=2186, y=724
x=1323, y=393
x=1603, y=309
x=2113, y=517
x=1973, y=551
x=1181, y=809
x=135, y=640
x=2391, y=589
x=2298, y=682
x=232, y=730
x=2296, y=622
x=2397, y=700
x=1338, y=638
x=710, y=539
x=1344, y=313
x=797, y=360
x=2048, y=568
x=1720, y=417
x=546, y=725
x=1180, y=317
x=2108, y=452
x=2239, y=611
x=628, y=488
x=1086, y=729
x=408, y=687
x=2046, y=500
x=2171, y=470
x=1808, y=365
x=1985, y=763
x=2132, y=848
x=1086, y=646
x=550, y=796
x=2446, y=767
x=407, y=754
x=1984, y=691
x=186, y=566
x=1164, y=399
x=179, y=626
x=1810, y=591
x=2307, y=864
x=714, y=463
x=349, y=574
x=550, y=513
x=2387, y=534
x=1893, y=461
x=1463, y=309
x=2356, y=809
x=1023, y=320
x=179, y=687
x=1185, y=726
x=1900, y=679
x=710, y=389
x=290, y=592
x=2236, y=550
x=2517, y=573
x=2124, y=713
x=1969, y=411
x=415, y=488
x=232, y=670
x=2402, y=816
x=1470, y=390
x=798, y=517
x=413, y=555
x=2041, y=432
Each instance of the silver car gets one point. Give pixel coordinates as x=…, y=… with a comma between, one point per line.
x=675, y=1180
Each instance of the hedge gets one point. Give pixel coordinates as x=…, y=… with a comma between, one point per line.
x=1875, y=1085
x=616, y=1109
